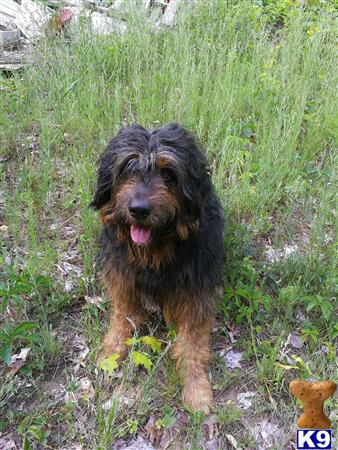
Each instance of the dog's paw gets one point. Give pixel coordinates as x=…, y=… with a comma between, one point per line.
x=198, y=397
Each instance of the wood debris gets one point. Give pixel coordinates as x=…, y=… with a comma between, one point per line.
x=32, y=18
x=9, y=10
x=22, y=22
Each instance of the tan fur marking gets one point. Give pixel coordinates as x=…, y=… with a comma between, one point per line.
x=126, y=311
x=192, y=352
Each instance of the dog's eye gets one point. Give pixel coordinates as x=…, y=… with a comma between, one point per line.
x=128, y=168
x=168, y=175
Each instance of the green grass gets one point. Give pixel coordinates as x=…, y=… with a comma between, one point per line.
x=259, y=87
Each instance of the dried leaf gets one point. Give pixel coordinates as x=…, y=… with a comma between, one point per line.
x=233, y=442
x=137, y=444
x=168, y=436
x=267, y=434
x=96, y=300
x=172, y=432
x=210, y=426
x=154, y=434
x=73, y=447
x=244, y=399
x=233, y=359
x=86, y=388
x=296, y=341
x=17, y=362
x=7, y=443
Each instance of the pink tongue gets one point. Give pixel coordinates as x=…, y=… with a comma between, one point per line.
x=139, y=235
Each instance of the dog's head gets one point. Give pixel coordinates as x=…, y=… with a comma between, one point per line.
x=152, y=184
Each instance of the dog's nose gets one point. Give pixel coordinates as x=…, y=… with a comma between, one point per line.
x=140, y=209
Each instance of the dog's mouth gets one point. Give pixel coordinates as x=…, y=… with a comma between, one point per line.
x=139, y=235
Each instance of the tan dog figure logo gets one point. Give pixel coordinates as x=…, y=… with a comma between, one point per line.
x=313, y=396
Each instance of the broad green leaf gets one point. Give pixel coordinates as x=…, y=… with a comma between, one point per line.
x=42, y=281
x=229, y=294
x=311, y=305
x=131, y=341
x=24, y=424
x=6, y=354
x=26, y=444
x=335, y=331
x=326, y=308
x=39, y=432
x=19, y=331
x=243, y=293
x=141, y=359
x=110, y=364
x=153, y=343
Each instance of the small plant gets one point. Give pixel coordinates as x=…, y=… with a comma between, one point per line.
x=334, y=332
x=110, y=364
x=168, y=420
x=229, y=414
x=9, y=336
x=14, y=285
x=35, y=428
x=129, y=427
x=310, y=335
x=132, y=425
x=247, y=301
x=139, y=358
x=331, y=351
x=319, y=302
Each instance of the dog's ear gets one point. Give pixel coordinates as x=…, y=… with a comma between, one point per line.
x=120, y=149
x=195, y=186
x=195, y=183
x=105, y=180
x=193, y=174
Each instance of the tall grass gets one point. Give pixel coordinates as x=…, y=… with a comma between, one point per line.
x=261, y=98
x=263, y=104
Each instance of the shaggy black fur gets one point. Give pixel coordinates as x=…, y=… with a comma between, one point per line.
x=196, y=265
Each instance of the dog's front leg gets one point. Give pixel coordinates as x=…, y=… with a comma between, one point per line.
x=127, y=314
x=192, y=352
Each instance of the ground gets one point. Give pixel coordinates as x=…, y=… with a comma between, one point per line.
x=257, y=84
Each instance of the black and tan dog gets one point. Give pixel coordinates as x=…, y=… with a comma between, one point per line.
x=162, y=245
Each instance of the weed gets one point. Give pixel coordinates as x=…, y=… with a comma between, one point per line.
x=228, y=414
x=10, y=335
x=33, y=428
x=257, y=83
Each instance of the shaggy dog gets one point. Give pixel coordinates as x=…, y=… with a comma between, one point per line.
x=162, y=245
